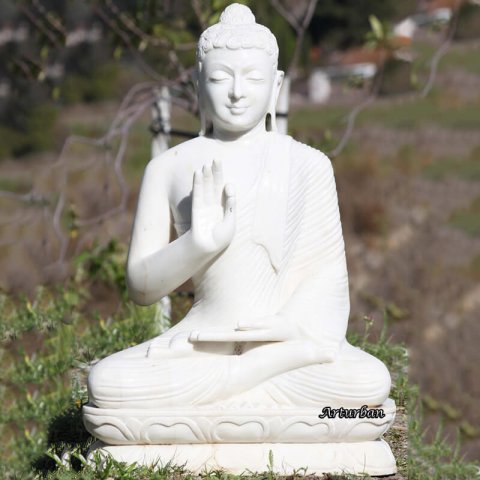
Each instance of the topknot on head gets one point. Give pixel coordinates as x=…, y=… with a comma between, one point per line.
x=237, y=14
x=237, y=29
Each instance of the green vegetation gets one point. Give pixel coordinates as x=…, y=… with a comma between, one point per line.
x=140, y=141
x=467, y=59
x=468, y=21
x=14, y=185
x=344, y=24
x=457, y=58
x=437, y=460
x=48, y=343
x=465, y=168
x=101, y=84
x=468, y=219
x=394, y=356
x=410, y=114
x=473, y=269
x=418, y=113
x=311, y=120
x=29, y=130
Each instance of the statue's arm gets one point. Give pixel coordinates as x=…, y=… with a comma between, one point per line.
x=319, y=306
x=156, y=267
x=319, y=310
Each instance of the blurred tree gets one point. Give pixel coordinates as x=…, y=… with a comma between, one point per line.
x=54, y=52
x=343, y=23
x=66, y=52
x=468, y=22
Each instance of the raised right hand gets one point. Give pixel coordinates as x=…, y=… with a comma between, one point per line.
x=213, y=210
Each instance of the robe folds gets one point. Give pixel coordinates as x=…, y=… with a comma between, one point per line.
x=286, y=259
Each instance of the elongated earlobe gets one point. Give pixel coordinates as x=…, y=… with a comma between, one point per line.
x=271, y=120
x=205, y=121
x=201, y=103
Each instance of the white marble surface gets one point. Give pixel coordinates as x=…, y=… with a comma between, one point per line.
x=258, y=231
x=239, y=425
x=374, y=457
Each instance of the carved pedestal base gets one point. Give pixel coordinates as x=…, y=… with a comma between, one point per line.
x=372, y=457
x=238, y=440
x=208, y=425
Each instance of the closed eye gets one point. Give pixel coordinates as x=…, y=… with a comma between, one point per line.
x=253, y=78
x=254, y=75
x=218, y=77
x=218, y=80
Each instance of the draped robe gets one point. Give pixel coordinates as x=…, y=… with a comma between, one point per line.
x=287, y=257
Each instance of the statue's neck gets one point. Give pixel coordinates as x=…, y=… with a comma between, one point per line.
x=245, y=137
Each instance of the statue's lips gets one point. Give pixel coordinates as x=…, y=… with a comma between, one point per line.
x=237, y=109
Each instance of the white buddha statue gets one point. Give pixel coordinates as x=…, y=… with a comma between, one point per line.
x=258, y=231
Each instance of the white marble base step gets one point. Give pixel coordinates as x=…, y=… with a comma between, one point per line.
x=240, y=425
x=372, y=457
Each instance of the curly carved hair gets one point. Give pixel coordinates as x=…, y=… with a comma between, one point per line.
x=237, y=29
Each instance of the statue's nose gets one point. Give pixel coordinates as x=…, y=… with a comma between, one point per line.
x=237, y=90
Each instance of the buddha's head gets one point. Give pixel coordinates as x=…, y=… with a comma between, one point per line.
x=238, y=80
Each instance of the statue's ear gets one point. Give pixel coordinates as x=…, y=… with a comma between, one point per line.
x=277, y=85
x=196, y=76
x=279, y=76
x=204, y=122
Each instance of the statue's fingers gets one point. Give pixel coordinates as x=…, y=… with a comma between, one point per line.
x=260, y=335
x=217, y=171
x=241, y=327
x=208, y=184
x=193, y=336
x=197, y=190
x=263, y=335
x=230, y=200
x=264, y=323
x=224, y=231
x=213, y=336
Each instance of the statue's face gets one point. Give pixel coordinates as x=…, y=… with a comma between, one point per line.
x=237, y=86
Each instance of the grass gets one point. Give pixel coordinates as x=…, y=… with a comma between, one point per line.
x=473, y=269
x=15, y=185
x=441, y=110
x=140, y=142
x=90, y=130
x=468, y=219
x=48, y=342
x=423, y=112
x=458, y=59
x=433, y=111
x=464, y=168
x=464, y=59
x=305, y=119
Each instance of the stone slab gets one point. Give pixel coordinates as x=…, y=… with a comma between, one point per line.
x=247, y=425
x=372, y=458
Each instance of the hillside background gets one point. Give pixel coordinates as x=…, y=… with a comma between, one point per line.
x=406, y=154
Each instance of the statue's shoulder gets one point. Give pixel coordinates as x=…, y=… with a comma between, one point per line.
x=175, y=156
x=309, y=158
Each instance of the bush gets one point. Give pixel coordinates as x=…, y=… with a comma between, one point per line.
x=47, y=347
x=27, y=120
x=98, y=86
x=397, y=77
x=468, y=22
